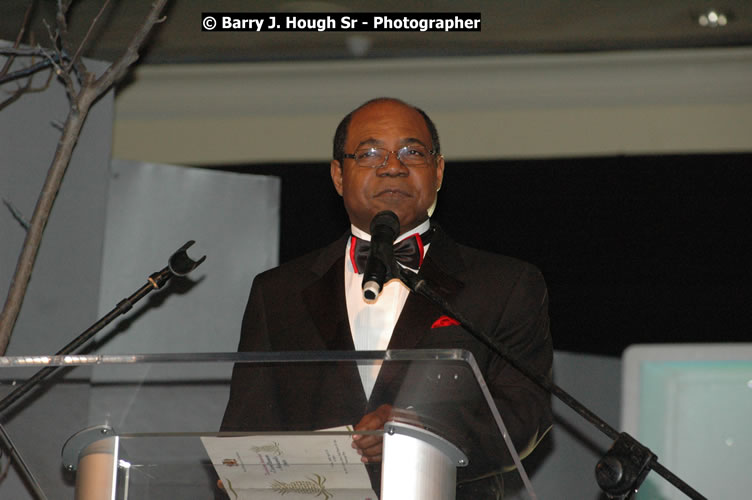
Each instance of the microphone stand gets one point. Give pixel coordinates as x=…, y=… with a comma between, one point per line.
x=179, y=264
x=626, y=464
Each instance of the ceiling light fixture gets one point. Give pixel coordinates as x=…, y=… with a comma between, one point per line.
x=712, y=19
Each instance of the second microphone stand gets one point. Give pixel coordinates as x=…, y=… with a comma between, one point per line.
x=626, y=464
x=179, y=264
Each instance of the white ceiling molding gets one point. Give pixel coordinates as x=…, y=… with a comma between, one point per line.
x=485, y=107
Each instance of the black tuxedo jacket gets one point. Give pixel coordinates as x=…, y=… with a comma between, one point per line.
x=301, y=306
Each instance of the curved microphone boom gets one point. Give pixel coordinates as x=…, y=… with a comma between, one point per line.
x=384, y=230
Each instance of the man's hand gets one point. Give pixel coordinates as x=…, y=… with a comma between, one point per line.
x=370, y=447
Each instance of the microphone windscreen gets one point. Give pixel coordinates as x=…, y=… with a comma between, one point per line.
x=385, y=220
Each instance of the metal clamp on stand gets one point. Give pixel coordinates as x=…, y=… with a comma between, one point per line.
x=624, y=467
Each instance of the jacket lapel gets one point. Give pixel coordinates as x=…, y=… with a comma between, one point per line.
x=325, y=298
x=439, y=269
x=326, y=303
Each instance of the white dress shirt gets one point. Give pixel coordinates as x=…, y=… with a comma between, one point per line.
x=372, y=323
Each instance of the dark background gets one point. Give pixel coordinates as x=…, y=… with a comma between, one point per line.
x=635, y=249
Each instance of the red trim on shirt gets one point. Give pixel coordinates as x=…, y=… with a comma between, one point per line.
x=420, y=247
x=352, y=254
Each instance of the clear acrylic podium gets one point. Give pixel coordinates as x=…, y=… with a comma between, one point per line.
x=137, y=426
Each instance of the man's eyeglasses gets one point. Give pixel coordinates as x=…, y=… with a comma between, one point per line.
x=410, y=156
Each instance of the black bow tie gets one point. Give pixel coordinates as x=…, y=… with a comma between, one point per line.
x=408, y=252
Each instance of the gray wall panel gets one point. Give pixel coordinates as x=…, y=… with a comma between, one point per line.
x=63, y=294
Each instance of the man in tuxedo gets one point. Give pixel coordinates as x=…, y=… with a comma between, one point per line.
x=387, y=157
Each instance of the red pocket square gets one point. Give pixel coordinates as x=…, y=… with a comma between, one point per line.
x=444, y=321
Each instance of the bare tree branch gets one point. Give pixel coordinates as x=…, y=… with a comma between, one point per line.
x=117, y=71
x=16, y=213
x=27, y=52
x=62, y=43
x=91, y=89
x=16, y=95
x=62, y=70
x=19, y=37
x=27, y=71
x=13, y=98
x=85, y=40
x=5, y=462
x=27, y=89
x=5, y=76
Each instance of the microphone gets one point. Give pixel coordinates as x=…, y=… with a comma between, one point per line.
x=384, y=230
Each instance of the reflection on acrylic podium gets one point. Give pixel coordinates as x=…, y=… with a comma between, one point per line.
x=145, y=426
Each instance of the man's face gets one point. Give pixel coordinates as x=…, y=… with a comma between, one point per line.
x=406, y=191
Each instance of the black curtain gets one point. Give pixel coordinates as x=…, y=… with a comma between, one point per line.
x=635, y=249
